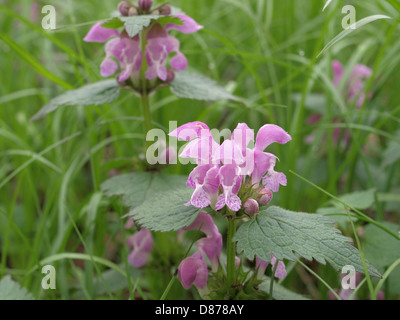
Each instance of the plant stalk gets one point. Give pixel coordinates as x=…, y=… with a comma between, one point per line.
x=230, y=268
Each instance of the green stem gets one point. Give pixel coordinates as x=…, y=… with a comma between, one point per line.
x=144, y=89
x=230, y=269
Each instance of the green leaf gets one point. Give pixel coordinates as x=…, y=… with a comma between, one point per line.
x=339, y=215
x=392, y=153
x=98, y=93
x=113, y=23
x=135, y=24
x=164, y=20
x=283, y=233
x=380, y=248
x=137, y=187
x=328, y=2
x=348, y=31
x=279, y=292
x=11, y=290
x=166, y=211
x=198, y=87
x=359, y=200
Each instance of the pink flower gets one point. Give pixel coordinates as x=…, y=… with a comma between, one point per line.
x=261, y=266
x=230, y=182
x=140, y=244
x=127, y=51
x=205, y=180
x=211, y=246
x=193, y=271
x=225, y=167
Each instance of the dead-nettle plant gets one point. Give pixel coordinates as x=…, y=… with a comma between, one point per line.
x=235, y=179
x=143, y=56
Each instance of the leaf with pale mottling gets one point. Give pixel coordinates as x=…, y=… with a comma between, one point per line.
x=93, y=94
x=11, y=290
x=166, y=211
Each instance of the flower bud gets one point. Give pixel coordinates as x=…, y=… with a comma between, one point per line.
x=237, y=261
x=170, y=75
x=145, y=5
x=251, y=206
x=124, y=7
x=266, y=197
x=165, y=10
x=132, y=11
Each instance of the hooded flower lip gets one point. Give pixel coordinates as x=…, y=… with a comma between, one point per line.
x=189, y=25
x=99, y=34
x=193, y=271
x=128, y=53
x=141, y=244
x=190, y=131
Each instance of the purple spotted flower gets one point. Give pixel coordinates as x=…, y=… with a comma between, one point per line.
x=124, y=53
x=140, y=244
x=223, y=169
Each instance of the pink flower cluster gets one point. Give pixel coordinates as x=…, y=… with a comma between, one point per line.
x=229, y=165
x=124, y=53
x=193, y=270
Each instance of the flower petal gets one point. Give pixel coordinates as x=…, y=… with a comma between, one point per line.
x=99, y=34
x=189, y=25
x=269, y=134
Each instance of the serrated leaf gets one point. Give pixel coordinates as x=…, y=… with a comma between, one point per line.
x=95, y=94
x=11, y=290
x=339, y=215
x=166, y=211
x=283, y=233
x=359, y=200
x=137, y=187
x=381, y=248
x=198, y=87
